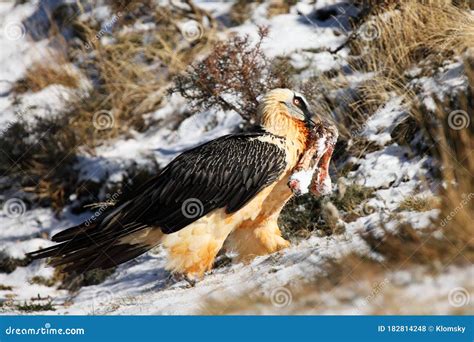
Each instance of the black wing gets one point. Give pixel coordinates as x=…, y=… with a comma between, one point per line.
x=224, y=173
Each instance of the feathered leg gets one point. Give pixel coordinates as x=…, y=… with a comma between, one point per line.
x=192, y=250
x=252, y=238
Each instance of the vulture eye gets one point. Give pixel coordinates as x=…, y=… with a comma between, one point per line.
x=297, y=102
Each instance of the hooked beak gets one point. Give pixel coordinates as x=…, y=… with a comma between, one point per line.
x=308, y=116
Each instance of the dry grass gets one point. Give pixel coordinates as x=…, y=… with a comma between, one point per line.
x=35, y=306
x=418, y=203
x=42, y=281
x=130, y=76
x=41, y=158
x=405, y=42
x=400, y=35
x=450, y=240
x=395, y=37
x=241, y=11
x=321, y=216
x=40, y=75
x=135, y=69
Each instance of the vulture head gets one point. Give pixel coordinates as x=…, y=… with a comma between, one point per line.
x=285, y=112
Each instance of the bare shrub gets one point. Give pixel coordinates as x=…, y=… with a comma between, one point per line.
x=231, y=77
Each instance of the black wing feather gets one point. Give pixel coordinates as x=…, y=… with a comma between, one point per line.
x=224, y=173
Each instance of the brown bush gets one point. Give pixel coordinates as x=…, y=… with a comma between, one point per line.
x=232, y=77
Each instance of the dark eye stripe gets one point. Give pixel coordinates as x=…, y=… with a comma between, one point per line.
x=301, y=103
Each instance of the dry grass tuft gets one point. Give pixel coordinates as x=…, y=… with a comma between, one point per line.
x=278, y=7
x=402, y=34
x=418, y=203
x=40, y=75
x=241, y=11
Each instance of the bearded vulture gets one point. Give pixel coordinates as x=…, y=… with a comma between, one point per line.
x=231, y=190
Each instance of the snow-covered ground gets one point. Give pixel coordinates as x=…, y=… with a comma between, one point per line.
x=142, y=286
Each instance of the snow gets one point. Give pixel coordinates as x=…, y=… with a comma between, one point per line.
x=16, y=54
x=448, y=79
x=389, y=166
x=379, y=126
x=304, y=178
x=294, y=32
x=163, y=143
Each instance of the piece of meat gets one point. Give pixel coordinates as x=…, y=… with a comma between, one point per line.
x=312, y=172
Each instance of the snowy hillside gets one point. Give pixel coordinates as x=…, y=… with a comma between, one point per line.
x=342, y=259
